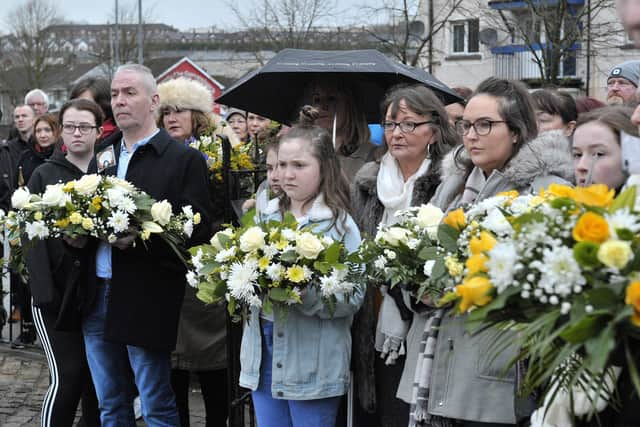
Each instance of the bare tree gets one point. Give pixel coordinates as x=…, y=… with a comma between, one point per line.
x=30, y=46
x=404, y=34
x=279, y=24
x=556, y=33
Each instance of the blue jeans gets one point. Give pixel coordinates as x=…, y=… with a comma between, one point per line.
x=111, y=365
x=272, y=412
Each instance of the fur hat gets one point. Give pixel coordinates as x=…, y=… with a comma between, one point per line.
x=185, y=94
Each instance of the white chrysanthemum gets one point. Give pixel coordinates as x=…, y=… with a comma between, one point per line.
x=502, y=258
x=520, y=205
x=275, y=272
x=334, y=284
x=192, y=279
x=428, y=267
x=242, y=279
x=380, y=263
x=37, y=229
x=496, y=222
x=127, y=204
x=196, y=260
x=119, y=221
x=486, y=205
x=226, y=254
x=288, y=234
x=559, y=271
x=307, y=272
x=622, y=219
x=187, y=228
x=270, y=250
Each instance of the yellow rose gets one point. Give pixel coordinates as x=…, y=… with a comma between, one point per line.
x=481, y=244
x=476, y=264
x=453, y=266
x=615, y=253
x=308, y=245
x=87, y=224
x=96, y=202
x=68, y=187
x=632, y=298
x=75, y=218
x=295, y=273
x=197, y=218
x=595, y=195
x=474, y=292
x=456, y=219
x=252, y=239
x=62, y=223
x=559, y=190
x=591, y=227
x=38, y=216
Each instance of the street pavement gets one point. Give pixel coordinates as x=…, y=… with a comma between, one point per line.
x=24, y=379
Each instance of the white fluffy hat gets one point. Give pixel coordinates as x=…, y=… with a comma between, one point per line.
x=185, y=94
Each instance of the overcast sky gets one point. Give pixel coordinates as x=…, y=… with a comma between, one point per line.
x=182, y=14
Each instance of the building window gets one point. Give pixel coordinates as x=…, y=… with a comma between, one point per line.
x=464, y=36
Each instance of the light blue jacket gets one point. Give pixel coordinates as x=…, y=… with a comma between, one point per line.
x=311, y=347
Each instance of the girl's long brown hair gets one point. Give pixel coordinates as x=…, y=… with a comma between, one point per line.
x=333, y=183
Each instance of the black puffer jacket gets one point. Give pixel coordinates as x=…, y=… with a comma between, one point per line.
x=33, y=157
x=58, y=273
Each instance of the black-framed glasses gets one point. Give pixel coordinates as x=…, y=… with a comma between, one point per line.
x=83, y=128
x=405, y=126
x=481, y=126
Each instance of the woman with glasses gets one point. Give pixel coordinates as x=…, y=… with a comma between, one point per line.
x=58, y=272
x=470, y=385
x=417, y=135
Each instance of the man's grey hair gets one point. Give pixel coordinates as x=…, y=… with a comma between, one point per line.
x=147, y=76
x=37, y=92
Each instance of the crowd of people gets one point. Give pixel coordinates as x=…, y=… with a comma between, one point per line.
x=116, y=320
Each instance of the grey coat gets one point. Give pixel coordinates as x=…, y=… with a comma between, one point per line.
x=466, y=382
x=368, y=211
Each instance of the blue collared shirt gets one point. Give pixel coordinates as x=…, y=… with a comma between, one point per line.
x=103, y=256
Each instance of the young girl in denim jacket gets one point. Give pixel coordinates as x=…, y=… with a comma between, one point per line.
x=298, y=365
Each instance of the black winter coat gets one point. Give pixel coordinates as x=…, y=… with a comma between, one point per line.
x=148, y=279
x=6, y=177
x=33, y=157
x=59, y=273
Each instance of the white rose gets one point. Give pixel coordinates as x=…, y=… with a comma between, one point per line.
x=215, y=242
x=429, y=216
x=54, y=196
x=121, y=184
x=161, y=212
x=88, y=184
x=20, y=198
x=395, y=235
x=308, y=245
x=252, y=239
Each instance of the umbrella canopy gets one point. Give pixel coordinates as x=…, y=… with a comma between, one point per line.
x=276, y=90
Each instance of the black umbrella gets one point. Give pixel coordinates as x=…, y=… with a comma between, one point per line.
x=275, y=90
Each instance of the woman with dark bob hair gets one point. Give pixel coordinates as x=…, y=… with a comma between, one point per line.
x=555, y=110
x=469, y=386
x=97, y=90
x=417, y=135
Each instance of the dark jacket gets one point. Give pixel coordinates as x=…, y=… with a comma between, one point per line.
x=33, y=157
x=58, y=273
x=16, y=147
x=6, y=177
x=148, y=279
x=368, y=211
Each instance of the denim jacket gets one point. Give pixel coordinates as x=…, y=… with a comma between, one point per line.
x=311, y=347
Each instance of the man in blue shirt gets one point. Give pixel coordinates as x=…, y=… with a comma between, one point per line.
x=140, y=286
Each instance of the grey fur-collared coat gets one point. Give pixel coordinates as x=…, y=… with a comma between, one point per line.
x=368, y=211
x=465, y=383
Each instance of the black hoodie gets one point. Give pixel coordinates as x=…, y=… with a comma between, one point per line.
x=59, y=275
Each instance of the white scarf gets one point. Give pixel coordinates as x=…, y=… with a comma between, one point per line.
x=393, y=191
x=395, y=194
